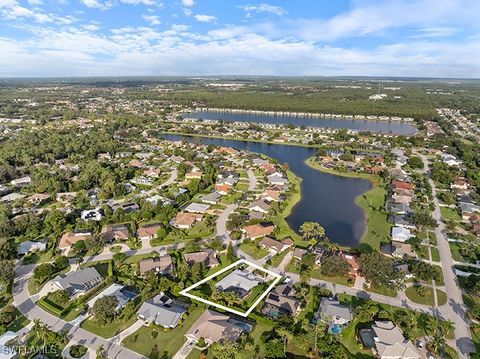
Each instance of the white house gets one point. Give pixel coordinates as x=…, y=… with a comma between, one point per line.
x=401, y=234
x=91, y=215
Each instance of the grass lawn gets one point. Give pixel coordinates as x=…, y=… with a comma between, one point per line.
x=435, y=254
x=283, y=230
x=19, y=322
x=428, y=298
x=294, y=267
x=382, y=290
x=277, y=258
x=450, y=214
x=34, y=287
x=253, y=250
x=242, y=186
x=109, y=330
x=456, y=255
x=38, y=257
x=166, y=343
x=349, y=340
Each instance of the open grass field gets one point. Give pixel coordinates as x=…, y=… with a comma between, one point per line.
x=449, y=214
x=427, y=299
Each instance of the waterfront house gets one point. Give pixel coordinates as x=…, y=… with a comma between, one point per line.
x=401, y=234
x=259, y=230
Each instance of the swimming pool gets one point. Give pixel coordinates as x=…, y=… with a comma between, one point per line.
x=366, y=337
x=335, y=329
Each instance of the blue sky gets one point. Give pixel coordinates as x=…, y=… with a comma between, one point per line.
x=427, y=38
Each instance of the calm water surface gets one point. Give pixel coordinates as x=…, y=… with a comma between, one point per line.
x=393, y=127
x=326, y=198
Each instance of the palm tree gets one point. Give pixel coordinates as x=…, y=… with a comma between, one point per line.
x=446, y=327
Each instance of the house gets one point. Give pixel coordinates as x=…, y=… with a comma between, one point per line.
x=206, y=256
x=401, y=221
x=7, y=352
x=223, y=189
x=281, y=301
x=185, y=220
x=331, y=311
x=162, y=265
x=70, y=238
x=29, y=246
x=12, y=197
x=21, y=182
x=258, y=230
x=114, y=232
x=152, y=172
x=259, y=161
x=451, y=160
x=398, y=250
x=136, y=164
x=239, y=281
x=401, y=234
x=79, y=282
x=402, y=199
x=468, y=210
x=276, y=179
x=66, y=197
x=148, y=231
x=39, y=198
x=260, y=206
x=214, y=327
x=353, y=261
x=193, y=175
x=271, y=195
x=390, y=343
x=115, y=290
x=459, y=183
x=142, y=180
x=398, y=208
x=91, y=214
x=197, y=208
x=127, y=207
x=162, y=311
x=298, y=253
x=274, y=246
x=211, y=198
x=402, y=185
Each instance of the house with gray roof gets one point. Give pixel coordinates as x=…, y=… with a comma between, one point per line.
x=161, y=310
x=333, y=312
x=79, y=282
x=281, y=301
x=197, y=208
x=29, y=246
x=211, y=198
x=390, y=343
x=239, y=281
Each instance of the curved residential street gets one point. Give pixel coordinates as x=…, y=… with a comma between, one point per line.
x=28, y=308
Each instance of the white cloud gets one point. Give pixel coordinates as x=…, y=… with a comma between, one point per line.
x=152, y=19
x=188, y=3
x=97, y=4
x=205, y=18
x=265, y=8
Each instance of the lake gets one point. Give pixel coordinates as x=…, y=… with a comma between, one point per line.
x=326, y=198
x=393, y=127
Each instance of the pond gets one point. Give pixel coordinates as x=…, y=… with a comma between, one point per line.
x=326, y=198
x=375, y=126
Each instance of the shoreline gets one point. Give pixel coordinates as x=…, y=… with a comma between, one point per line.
x=332, y=116
x=374, y=186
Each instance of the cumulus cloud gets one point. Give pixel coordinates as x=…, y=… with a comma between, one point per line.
x=205, y=18
x=265, y=8
x=188, y=3
x=152, y=19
